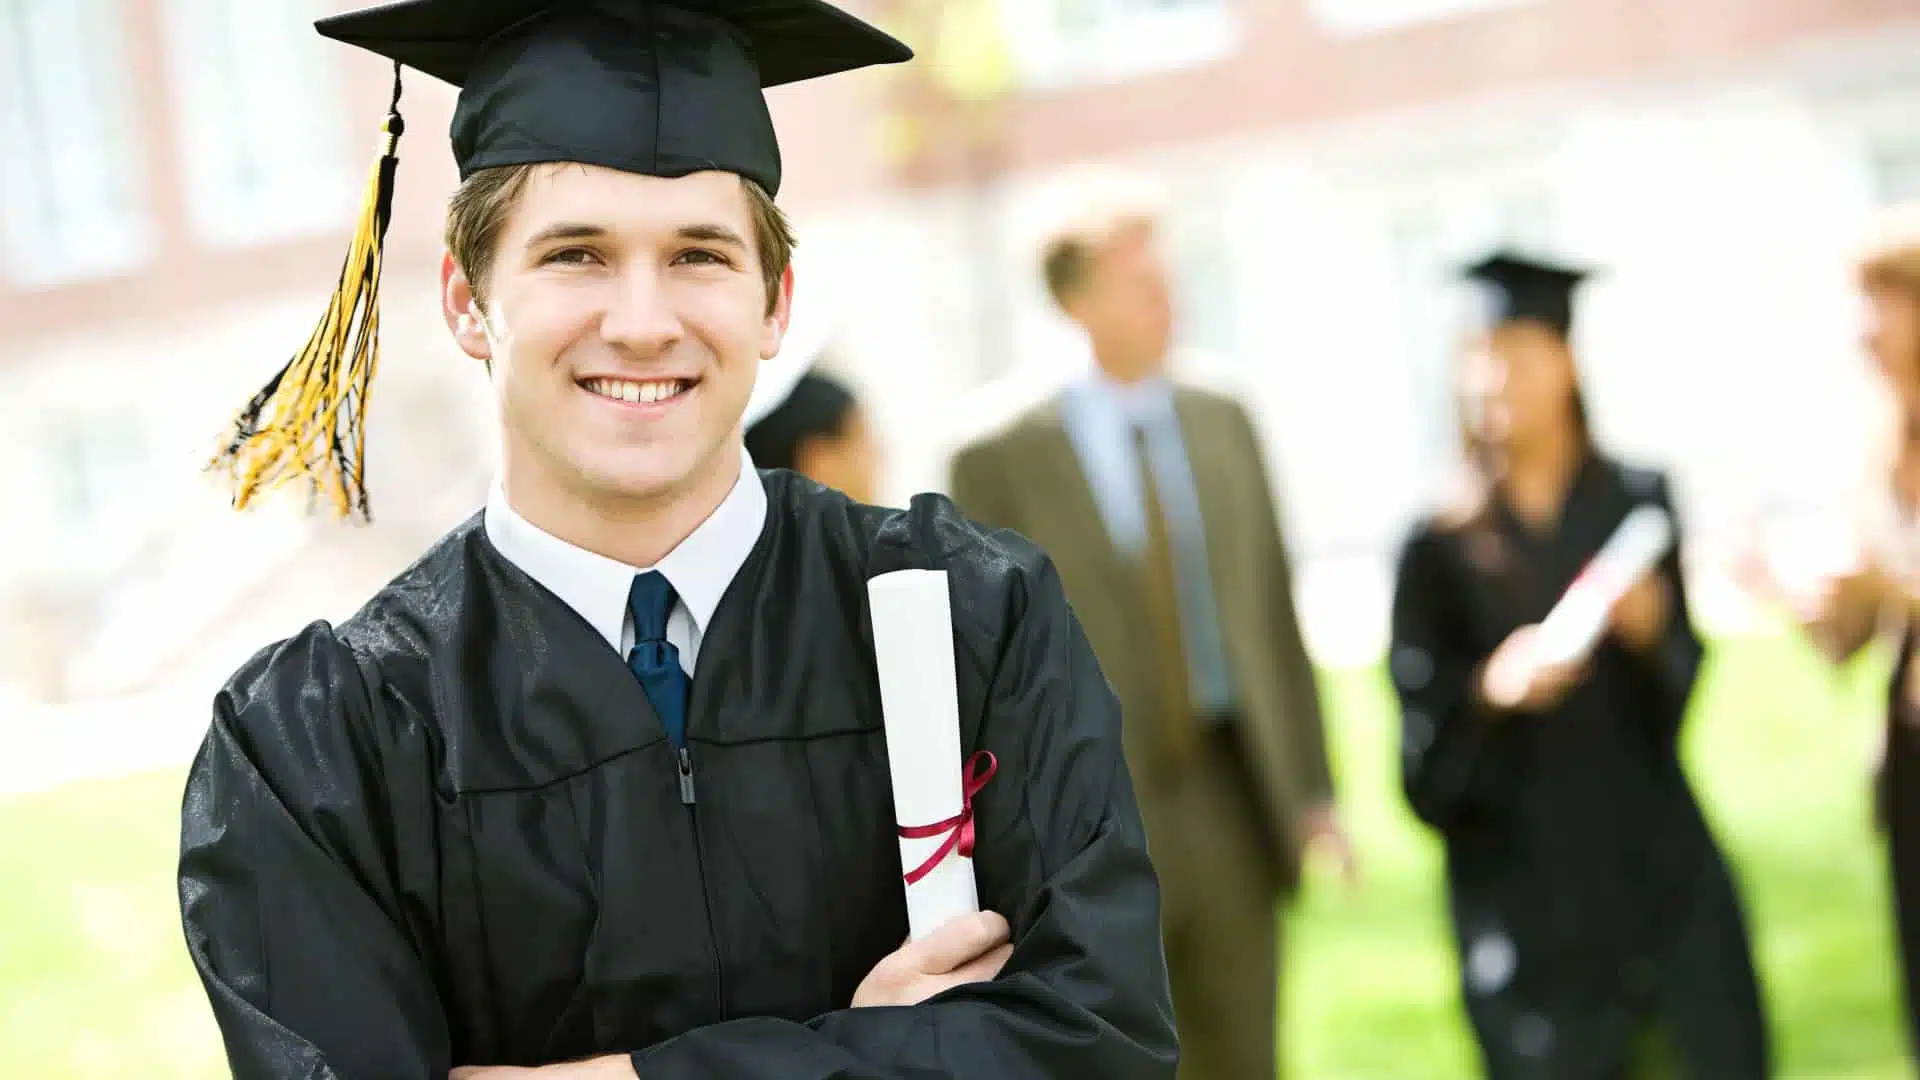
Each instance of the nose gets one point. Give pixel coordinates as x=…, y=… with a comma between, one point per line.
x=641, y=318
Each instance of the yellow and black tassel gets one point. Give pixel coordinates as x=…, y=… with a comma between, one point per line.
x=309, y=421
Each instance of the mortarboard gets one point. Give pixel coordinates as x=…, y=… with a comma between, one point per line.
x=1517, y=287
x=657, y=87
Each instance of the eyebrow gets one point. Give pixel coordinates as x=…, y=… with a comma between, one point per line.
x=570, y=230
x=565, y=230
x=712, y=234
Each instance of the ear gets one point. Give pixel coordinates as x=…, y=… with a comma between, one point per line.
x=462, y=311
x=774, y=330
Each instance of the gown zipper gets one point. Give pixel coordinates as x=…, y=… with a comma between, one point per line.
x=683, y=762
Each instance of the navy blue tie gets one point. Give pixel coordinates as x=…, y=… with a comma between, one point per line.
x=655, y=662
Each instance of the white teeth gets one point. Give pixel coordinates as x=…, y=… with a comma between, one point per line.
x=635, y=392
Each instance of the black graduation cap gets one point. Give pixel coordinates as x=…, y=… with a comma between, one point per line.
x=657, y=87
x=1520, y=287
x=661, y=88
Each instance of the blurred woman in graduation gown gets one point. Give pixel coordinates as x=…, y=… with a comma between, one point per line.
x=1598, y=929
x=1844, y=612
x=820, y=431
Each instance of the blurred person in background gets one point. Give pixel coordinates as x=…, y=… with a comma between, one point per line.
x=819, y=430
x=1153, y=500
x=599, y=786
x=1599, y=933
x=1842, y=611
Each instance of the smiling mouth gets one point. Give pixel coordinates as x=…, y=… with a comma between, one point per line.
x=637, y=391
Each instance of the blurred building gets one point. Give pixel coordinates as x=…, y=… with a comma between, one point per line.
x=178, y=178
x=1332, y=160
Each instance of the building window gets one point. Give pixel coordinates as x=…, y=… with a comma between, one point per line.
x=94, y=464
x=1375, y=16
x=1896, y=174
x=259, y=120
x=69, y=201
x=1076, y=42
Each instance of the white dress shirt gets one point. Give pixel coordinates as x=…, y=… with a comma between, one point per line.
x=699, y=569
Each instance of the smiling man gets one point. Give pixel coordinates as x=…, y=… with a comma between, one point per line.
x=599, y=786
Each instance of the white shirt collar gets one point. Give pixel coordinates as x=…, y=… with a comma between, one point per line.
x=700, y=568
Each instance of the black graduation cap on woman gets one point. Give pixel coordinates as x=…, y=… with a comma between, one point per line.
x=660, y=89
x=1523, y=288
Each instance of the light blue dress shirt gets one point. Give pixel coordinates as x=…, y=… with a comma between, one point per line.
x=1101, y=416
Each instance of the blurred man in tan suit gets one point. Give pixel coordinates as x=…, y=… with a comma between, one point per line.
x=1153, y=501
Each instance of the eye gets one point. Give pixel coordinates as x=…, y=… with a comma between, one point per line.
x=573, y=256
x=702, y=257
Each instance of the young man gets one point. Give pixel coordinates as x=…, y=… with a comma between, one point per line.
x=599, y=787
x=1152, y=498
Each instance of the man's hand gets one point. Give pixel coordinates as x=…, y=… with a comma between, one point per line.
x=1517, y=680
x=1322, y=832
x=1639, y=618
x=968, y=949
x=617, y=1067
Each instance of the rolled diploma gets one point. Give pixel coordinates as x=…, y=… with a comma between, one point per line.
x=913, y=648
x=1580, y=617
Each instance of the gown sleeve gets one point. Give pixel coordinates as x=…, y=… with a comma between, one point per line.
x=287, y=900
x=1672, y=666
x=1454, y=761
x=1062, y=854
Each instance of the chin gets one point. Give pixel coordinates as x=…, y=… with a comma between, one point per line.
x=645, y=476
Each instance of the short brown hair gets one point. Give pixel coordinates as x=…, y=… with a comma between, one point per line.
x=1892, y=259
x=1100, y=203
x=479, y=208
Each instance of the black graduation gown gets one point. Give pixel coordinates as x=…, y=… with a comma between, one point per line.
x=1590, y=904
x=1899, y=807
x=450, y=831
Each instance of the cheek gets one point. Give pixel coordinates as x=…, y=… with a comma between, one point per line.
x=1903, y=340
x=732, y=322
x=1523, y=392
x=535, y=327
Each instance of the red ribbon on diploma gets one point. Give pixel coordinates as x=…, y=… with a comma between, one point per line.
x=959, y=827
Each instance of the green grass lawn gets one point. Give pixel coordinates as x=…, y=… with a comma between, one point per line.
x=1779, y=748
x=94, y=980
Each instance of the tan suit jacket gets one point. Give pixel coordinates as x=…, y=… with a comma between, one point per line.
x=1028, y=478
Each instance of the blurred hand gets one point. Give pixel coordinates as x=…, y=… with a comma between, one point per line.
x=1639, y=618
x=1846, y=609
x=969, y=949
x=1323, y=834
x=617, y=1067
x=1517, y=680
x=1837, y=611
